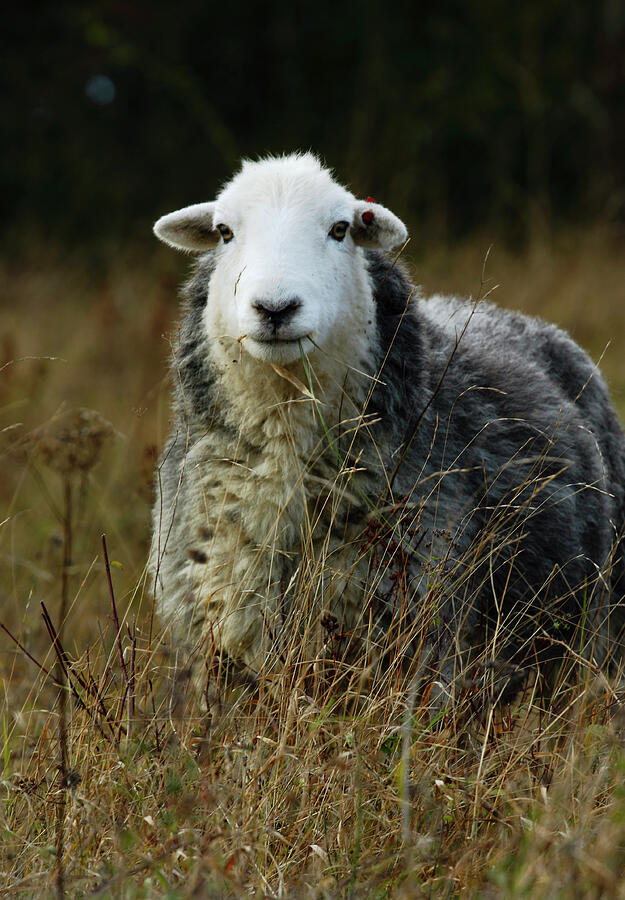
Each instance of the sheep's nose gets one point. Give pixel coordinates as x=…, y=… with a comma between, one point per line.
x=277, y=312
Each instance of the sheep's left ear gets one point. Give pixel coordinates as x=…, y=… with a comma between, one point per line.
x=376, y=227
x=190, y=228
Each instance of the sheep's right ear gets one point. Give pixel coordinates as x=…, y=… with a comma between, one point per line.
x=190, y=228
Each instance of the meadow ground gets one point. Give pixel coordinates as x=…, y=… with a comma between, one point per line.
x=294, y=791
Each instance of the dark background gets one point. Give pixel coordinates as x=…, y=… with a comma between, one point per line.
x=459, y=115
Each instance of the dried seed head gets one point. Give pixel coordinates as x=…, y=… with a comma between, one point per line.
x=71, y=441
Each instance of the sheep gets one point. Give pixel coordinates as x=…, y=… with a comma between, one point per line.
x=442, y=462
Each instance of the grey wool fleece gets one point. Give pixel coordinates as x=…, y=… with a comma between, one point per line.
x=487, y=478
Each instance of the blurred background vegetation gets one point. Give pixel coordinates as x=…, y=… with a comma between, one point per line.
x=462, y=115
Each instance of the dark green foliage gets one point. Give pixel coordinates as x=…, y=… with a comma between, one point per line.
x=458, y=114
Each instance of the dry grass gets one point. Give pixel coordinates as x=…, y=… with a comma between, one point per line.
x=297, y=787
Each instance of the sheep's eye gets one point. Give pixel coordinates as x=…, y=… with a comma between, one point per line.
x=339, y=230
x=225, y=232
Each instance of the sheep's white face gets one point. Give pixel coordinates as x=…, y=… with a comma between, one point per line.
x=288, y=270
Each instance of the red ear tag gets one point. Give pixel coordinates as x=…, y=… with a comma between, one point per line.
x=368, y=217
x=370, y=200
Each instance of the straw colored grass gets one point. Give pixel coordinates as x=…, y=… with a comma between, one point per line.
x=327, y=779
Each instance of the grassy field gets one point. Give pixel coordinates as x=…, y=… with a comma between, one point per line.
x=129, y=787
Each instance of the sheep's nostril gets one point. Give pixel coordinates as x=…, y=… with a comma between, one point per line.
x=277, y=312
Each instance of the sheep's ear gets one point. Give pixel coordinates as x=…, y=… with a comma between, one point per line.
x=376, y=227
x=190, y=228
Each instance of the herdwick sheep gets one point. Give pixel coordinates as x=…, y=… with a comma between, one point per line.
x=450, y=468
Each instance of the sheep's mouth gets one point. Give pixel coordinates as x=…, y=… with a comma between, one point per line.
x=275, y=340
x=281, y=350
